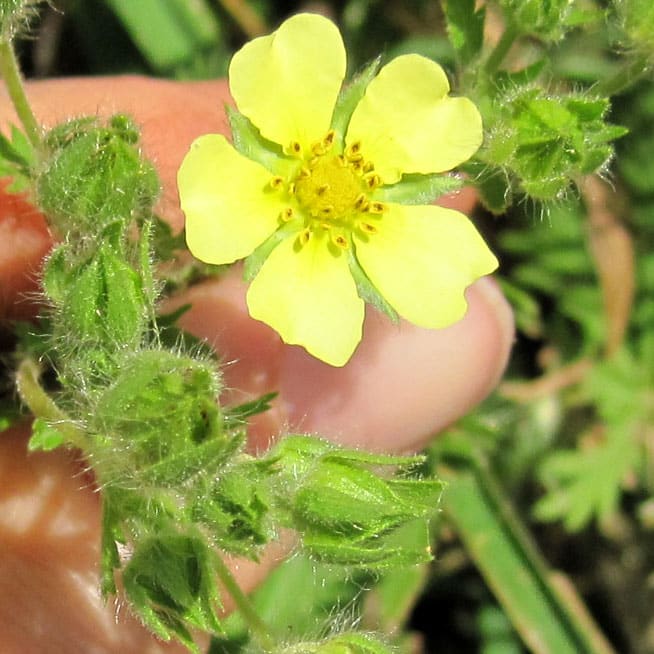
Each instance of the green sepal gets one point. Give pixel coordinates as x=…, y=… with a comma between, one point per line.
x=349, y=98
x=149, y=287
x=82, y=301
x=235, y=507
x=465, y=28
x=111, y=535
x=123, y=299
x=101, y=300
x=57, y=276
x=299, y=453
x=418, y=189
x=237, y=416
x=44, y=437
x=170, y=582
x=375, y=554
x=178, y=467
x=247, y=140
x=354, y=643
x=257, y=258
x=367, y=290
x=347, y=499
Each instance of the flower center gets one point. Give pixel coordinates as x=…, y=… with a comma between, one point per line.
x=332, y=192
x=328, y=188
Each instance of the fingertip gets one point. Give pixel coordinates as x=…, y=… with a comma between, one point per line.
x=404, y=383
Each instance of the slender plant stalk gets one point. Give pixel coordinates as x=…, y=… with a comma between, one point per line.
x=11, y=74
x=42, y=406
x=625, y=77
x=501, y=49
x=245, y=16
x=259, y=628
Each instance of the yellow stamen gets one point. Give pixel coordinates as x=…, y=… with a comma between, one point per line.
x=368, y=228
x=340, y=241
x=294, y=149
x=373, y=181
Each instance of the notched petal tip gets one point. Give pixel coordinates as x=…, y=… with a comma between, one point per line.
x=422, y=259
x=407, y=122
x=307, y=294
x=287, y=83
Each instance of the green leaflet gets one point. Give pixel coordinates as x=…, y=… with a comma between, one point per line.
x=465, y=28
x=172, y=586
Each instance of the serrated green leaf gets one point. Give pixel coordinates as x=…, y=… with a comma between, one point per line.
x=171, y=584
x=494, y=188
x=465, y=28
x=587, y=482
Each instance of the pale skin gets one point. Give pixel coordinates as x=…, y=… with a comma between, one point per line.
x=402, y=386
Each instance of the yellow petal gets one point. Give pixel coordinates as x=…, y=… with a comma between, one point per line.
x=407, y=123
x=287, y=83
x=308, y=296
x=422, y=259
x=226, y=198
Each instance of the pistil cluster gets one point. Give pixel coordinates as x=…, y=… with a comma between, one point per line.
x=331, y=192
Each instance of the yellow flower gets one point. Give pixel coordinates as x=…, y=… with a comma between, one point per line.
x=310, y=198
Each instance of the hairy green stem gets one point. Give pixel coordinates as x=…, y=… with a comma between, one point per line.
x=42, y=406
x=11, y=73
x=249, y=614
x=501, y=49
x=625, y=77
